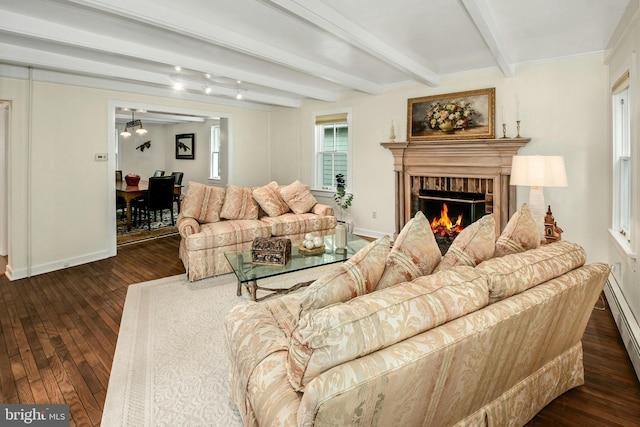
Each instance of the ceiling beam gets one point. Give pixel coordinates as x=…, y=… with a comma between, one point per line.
x=151, y=13
x=328, y=19
x=26, y=26
x=480, y=13
x=54, y=61
x=153, y=117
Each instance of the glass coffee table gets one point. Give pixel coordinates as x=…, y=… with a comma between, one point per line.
x=248, y=273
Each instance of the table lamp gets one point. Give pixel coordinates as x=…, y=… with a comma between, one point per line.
x=538, y=172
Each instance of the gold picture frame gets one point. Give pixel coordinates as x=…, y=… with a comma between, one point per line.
x=458, y=115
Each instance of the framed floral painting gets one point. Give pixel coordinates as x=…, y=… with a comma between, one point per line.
x=459, y=115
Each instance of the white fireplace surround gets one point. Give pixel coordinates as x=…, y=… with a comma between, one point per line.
x=484, y=159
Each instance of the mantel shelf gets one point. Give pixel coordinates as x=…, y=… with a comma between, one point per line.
x=460, y=143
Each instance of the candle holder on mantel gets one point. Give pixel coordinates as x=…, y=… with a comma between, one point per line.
x=504, y=130
x=392, y=134
x=518, y=129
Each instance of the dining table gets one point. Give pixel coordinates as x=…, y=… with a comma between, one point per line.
x=130, y=192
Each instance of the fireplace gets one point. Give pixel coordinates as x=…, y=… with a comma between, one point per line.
x=450, y=212
x=475, y=169
x=465, y=208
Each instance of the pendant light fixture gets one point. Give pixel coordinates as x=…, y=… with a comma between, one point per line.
x=133, y=124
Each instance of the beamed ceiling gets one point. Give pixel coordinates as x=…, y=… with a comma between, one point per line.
x=281, y=52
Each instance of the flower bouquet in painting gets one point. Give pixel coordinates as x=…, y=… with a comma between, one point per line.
x=449, y=116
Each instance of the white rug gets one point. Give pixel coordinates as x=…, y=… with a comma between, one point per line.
x=170, y=366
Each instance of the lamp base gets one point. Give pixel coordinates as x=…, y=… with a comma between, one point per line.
x=536, y=205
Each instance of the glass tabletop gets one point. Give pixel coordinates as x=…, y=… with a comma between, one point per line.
x=246, y=271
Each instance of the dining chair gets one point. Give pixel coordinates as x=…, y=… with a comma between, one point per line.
x=158, y=198
x=178, y=177
x=121, y=204
x=158, y=173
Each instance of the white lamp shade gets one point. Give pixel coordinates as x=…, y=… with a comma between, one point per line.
x=538, y=171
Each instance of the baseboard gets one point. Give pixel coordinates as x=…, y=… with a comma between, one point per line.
x=371, y=233
x=626, y=322
x=23, y=273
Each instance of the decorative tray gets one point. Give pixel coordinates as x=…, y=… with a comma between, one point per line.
x=315, y=251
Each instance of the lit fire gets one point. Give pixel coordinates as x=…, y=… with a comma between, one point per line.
x=443, y=226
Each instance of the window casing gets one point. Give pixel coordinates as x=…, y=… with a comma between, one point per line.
x=332, y=150
x=622, y=168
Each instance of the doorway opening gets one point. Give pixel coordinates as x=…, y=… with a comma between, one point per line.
x=164, y=124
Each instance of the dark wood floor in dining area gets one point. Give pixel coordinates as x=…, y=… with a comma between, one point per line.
x=58, y=334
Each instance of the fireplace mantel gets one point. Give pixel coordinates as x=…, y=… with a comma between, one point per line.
x=477, y=158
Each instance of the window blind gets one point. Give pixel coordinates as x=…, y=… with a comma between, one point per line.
x=331, y=118
x=621, y=83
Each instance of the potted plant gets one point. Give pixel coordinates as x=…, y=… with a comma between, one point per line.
x=343, y=201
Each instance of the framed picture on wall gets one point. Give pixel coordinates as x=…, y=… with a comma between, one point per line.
x=460, y=115
x=186, y=146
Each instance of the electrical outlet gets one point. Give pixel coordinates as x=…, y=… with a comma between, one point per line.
x=374, y=214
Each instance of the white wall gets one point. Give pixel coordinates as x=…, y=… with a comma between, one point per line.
x=563, y=109
x=59, y=196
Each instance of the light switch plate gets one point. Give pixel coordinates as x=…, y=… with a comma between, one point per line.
x=101, y=157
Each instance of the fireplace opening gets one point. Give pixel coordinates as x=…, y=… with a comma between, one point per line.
x=449, y=212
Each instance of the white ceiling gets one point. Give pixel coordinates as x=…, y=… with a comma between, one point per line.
x=280, y=52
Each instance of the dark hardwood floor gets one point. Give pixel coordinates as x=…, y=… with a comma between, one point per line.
x=58, y=333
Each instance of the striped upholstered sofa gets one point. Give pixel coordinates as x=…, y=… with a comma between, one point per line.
x=485, y=336
x=216, y=220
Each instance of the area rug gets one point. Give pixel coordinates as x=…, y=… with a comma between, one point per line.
x=139, y=232
x=170, y=366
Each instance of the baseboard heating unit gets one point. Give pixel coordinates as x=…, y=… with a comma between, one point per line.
x=626, y=322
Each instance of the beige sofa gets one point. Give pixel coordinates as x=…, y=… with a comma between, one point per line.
x=215, y=220
x=471, y=339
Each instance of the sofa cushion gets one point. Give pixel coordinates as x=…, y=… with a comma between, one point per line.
x=473, y=245
x=341, y=332
x=415, y=253
x=270, y=200
x=520, y=234
x=298, y=197
x=239, y=204
x=227, y=233
x=202, y=202
x=357, y=276
x=291, y=224
x=515, y=273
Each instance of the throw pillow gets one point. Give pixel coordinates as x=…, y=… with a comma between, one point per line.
x=270, y=200
x=511, y=274
x=202, y=202
x=474, y=244
x=239, y=204
x=357, y=276
x=520, y=234
x=298, y=197
x=415, y=253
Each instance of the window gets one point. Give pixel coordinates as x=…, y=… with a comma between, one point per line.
x=333, y=150
x=215, y=166
x=622, y=158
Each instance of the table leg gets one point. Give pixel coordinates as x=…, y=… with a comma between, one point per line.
x=239, y=290
x=128, y=215
x=254, y=290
